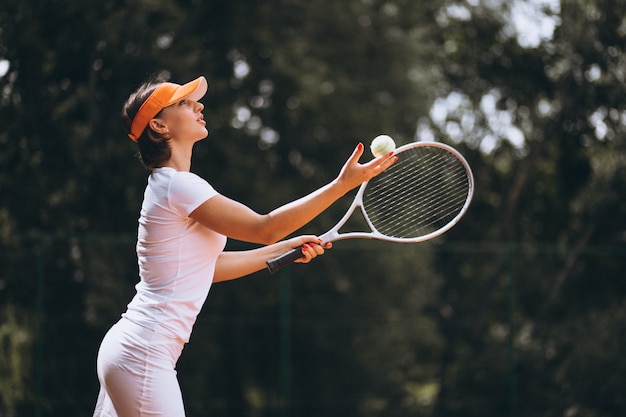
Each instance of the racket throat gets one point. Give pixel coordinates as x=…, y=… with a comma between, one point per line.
x=330, y=236
x=354, y=224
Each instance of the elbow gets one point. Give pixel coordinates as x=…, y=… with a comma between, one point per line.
x=268, y=237
x=267, y=231
x=260, y=235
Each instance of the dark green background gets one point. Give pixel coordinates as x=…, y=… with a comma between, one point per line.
x=519, y=310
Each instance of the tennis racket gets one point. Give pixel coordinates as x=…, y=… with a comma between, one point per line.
x=421, y=196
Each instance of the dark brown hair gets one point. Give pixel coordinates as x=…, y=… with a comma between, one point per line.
x=154, y=148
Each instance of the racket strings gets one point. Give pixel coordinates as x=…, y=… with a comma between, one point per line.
x=434, y=210
x=446, y=204
x=431, y=207
x=415, y=220
x=421, y=193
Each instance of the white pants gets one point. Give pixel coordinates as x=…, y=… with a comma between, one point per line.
x=136, y=369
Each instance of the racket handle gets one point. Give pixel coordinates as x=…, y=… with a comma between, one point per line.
x=274, y=265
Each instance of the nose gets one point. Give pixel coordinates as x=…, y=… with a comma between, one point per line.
x=199, y=106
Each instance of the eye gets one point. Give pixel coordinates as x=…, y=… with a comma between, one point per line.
x=182, y=102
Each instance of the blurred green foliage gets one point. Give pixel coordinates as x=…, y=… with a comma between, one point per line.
x=518, y=310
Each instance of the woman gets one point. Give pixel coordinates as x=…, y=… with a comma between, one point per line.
x=183, y=227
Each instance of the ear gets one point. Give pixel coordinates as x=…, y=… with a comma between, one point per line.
x=158, y=126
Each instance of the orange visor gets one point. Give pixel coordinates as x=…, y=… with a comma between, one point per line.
x=165, y=95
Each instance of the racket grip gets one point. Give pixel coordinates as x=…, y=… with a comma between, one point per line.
x=276, y=264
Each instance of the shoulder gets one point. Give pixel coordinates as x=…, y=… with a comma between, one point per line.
x=186, y=190
x=190, y=184
x=173, y=179
x=183, y=178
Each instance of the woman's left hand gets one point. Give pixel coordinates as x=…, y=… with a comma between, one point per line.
x=311, y=247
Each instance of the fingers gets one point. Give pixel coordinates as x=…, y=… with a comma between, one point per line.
x=312, y=250
x=357, y=153
x=386, y=159
x=378, y=164
x=381, y=163
x=353, y=160
x=354, y=173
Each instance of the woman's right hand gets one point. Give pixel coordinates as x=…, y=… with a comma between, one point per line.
x=354, y=173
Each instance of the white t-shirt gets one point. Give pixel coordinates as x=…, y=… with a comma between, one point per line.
x=176, y=254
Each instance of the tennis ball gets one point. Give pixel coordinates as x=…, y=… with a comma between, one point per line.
x=382, y=145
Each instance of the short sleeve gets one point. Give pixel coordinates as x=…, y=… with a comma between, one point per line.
x=188, y=191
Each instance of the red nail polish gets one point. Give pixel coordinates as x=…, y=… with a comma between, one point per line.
x=359, y=146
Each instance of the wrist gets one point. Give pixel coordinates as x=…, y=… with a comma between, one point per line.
x=339, y=187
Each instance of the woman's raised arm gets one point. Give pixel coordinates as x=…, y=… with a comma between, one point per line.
x=238, y=221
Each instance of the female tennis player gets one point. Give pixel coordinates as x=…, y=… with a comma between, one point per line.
x=183, y=227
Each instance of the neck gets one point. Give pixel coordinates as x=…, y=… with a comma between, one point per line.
x=181, y=157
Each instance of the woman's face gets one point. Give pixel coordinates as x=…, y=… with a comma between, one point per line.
x=184, y=120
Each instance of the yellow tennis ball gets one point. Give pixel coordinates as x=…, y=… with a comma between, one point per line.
x=382, y=145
